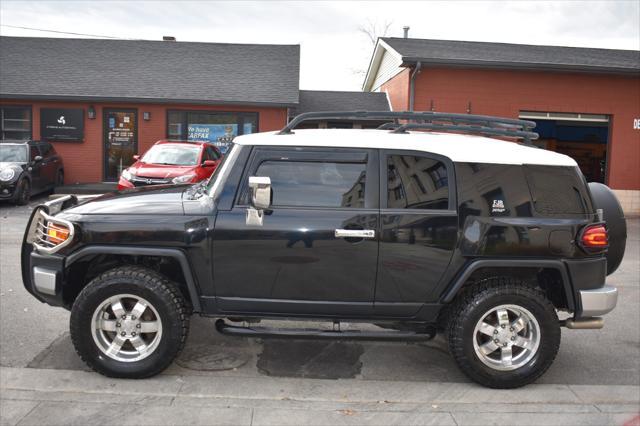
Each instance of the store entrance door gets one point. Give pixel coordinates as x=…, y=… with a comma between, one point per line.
x=120, y=141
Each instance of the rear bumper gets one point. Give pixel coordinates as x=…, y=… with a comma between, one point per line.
x=591, y=294
x=598, y=301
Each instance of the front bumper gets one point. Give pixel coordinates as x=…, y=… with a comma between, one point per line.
x=7, y=190
x=43, y=276
x=598, y=301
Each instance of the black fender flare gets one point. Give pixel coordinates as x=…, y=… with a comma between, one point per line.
x=473, y=266
x=176, y=254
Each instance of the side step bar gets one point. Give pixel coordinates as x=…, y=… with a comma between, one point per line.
x=315, y=333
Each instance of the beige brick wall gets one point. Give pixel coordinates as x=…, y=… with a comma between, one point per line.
x=630, y=201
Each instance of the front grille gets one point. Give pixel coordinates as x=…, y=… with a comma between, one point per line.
x=143, y=181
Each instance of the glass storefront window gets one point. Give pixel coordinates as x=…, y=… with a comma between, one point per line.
x=15, y=122
x=219, y=128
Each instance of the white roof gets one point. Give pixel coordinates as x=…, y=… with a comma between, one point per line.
x=458, y=147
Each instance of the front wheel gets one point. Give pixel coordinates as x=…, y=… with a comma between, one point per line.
x=129, y=322
x=23, y=192
x=503, y=333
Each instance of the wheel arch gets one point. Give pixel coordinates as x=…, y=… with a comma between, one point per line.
x=555, y=269
x=78, y=263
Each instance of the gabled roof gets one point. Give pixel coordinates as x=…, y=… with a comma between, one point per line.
x=321, y=100
x=503, y=55
x=149, y=71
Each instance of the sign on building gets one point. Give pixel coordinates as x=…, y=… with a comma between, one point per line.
x=62, y=124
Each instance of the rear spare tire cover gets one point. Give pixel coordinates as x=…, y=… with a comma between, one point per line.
x=605, y=199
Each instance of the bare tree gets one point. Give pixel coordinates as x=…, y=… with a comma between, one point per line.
x=373, y=30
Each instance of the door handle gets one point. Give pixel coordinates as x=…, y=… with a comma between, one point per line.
x=355, y=233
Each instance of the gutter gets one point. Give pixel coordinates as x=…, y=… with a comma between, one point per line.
x=412, y=84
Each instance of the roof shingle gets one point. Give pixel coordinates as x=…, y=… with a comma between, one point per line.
x=154, y=71
x=321, y=100
x=448, y=52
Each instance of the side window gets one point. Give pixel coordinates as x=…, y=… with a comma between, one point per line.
x=315, y=184
x=34, y=151
x=46, y=149
x=556, y=189
x=416, y=182
x=212, y=154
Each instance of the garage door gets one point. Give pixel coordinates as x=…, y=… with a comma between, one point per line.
x=584, y=137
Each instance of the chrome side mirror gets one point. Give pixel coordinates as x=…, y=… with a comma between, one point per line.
x=260, y=192
x=260, y=187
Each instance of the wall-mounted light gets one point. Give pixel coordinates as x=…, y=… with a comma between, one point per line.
x=91, y=112
x=146, y=115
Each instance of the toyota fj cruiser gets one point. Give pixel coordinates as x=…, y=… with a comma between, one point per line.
x=432, y=223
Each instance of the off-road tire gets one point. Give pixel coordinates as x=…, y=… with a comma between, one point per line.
x=148, y=284
x=472, y=304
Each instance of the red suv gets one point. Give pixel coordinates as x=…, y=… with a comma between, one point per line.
x=171, y=162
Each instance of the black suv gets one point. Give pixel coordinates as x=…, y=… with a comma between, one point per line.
x=27, y=168
x=432, y=223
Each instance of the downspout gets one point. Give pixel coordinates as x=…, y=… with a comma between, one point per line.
x=412, y=84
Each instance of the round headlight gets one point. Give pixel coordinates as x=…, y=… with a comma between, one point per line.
x=7, y=174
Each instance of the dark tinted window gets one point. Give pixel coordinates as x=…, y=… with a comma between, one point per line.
x=45, y=149
x=34, y=151
x=311, y=184
x=557, y=189
x=211, y=153
x=416, y=182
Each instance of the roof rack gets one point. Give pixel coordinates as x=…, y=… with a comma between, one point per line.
x=427, y=120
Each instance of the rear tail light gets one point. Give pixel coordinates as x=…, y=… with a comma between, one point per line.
x=594, y=238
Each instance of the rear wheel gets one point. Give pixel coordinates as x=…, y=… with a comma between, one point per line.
x=129, y=322
x=503, y=333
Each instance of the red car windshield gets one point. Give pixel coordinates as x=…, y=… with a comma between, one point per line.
x=175, y=155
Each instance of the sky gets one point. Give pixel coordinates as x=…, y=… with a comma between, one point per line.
x=335, y=52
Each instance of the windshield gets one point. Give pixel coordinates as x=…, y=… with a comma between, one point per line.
x=13, y=154
x=175, y=155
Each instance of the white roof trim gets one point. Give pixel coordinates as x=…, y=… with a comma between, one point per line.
x=374, y=64
x=457, y=147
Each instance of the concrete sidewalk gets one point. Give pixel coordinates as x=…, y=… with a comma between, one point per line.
x=55, y=397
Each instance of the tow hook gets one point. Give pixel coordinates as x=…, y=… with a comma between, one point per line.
x=583, y=323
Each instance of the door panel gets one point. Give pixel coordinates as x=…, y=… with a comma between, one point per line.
x=120, y=141
x=294, y=263
x=295, y=256
x=419, y=230
x=35, y=168
x=415, y=249
x=49, y=165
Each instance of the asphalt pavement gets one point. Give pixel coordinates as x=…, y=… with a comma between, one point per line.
x=222, y=380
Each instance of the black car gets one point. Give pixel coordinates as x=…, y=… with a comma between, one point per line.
x=421, y=227
x=27, y=168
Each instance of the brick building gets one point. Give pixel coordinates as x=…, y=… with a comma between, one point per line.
x=586, y=102
x=117, y=97
x=102, y=101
